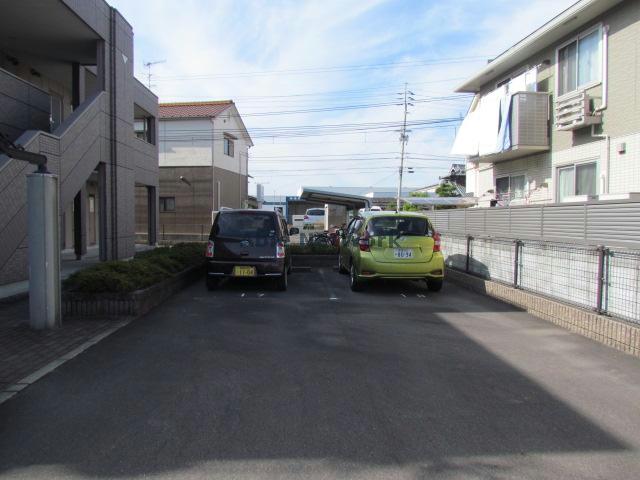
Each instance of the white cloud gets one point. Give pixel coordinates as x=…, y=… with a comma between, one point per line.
x=223, y=37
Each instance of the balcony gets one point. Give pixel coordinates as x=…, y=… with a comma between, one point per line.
x=502, y=125
x=528, y=127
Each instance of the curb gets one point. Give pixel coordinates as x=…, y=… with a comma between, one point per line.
x=30, y=379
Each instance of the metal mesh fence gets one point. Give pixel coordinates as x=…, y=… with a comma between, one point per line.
x=492, y=259
x=565, y=272
x=622, y=287
x=454, y=249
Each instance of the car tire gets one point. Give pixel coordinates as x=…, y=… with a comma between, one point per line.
x=434, y=284
x=212, y=284
x=283, y=281
x=341, y=269
x=354, y=283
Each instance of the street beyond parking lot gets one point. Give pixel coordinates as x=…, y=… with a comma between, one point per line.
x=320, y=382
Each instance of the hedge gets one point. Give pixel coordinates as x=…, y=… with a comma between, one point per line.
x=145, y=269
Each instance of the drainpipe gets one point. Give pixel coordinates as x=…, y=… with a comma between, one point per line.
x=604, y=174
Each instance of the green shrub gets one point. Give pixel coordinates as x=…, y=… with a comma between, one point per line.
x=145, y=269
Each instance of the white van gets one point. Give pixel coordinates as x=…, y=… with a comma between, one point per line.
x=313, y=217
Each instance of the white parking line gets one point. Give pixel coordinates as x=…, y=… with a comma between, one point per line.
x=330, y=291
x=421, y=295
x=260, y=295
x=242, y=295
x=403, y=295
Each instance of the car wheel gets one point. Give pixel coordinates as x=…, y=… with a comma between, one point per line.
x=434, y=284
x=212, y=283
x=354, y=283
x=283, y=281
x=341, y=269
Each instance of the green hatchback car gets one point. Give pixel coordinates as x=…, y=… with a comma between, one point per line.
x=391, y=245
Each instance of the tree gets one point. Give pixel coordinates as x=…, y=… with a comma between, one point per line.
x=447, y=190
x=410, y=207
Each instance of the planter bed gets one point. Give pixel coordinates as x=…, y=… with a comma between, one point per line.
x=133, y=304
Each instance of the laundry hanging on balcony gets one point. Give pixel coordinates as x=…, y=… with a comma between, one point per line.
x=487, y=127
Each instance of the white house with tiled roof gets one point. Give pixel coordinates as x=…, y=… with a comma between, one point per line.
x=203, y=157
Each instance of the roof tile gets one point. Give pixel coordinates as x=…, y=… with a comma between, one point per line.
x=193, y=109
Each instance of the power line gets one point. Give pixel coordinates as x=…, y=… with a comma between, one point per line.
x=338, y=92
x=317, y=70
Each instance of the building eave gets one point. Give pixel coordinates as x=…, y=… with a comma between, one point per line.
x=551, y=32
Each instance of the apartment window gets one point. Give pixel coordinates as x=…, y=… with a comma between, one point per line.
x=167, y=204
x=143, y=124
x=143, y=129
x=580, y=179
x=510, y=187
x=580, y=61
x=228, y=146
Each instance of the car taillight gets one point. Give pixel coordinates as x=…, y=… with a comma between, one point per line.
x=364, y=243
x=209, y=251
x=280, y=250
x=436, y=242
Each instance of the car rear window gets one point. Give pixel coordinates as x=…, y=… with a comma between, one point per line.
x=383, y=226
x=315, y=211
x=245, y=225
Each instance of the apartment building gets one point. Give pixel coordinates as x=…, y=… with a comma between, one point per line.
x=204, y=154
x=556, y=117
x=67, y=91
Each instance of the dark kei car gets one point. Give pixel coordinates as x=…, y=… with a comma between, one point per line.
x=249, y=243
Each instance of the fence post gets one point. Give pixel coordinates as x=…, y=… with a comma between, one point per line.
x=469, y=239
x=602, y=254
x=201, y=232
x=164, y=237
x=516, y=262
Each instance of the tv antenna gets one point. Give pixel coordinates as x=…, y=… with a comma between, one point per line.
x=148, y=66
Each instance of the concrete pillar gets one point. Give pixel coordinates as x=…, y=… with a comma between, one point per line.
x=78, y=93
x=152, y=205
x=80, y=223
x=44, y=250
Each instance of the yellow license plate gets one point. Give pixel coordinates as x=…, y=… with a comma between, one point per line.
x=241, y=271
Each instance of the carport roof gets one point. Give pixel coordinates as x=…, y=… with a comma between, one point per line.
x=353, y=202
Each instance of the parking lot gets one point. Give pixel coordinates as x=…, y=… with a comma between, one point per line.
x=320, y=382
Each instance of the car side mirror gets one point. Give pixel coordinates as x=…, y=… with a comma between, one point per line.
x=294, y=231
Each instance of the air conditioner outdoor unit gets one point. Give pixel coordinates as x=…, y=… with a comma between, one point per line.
x=574, y=112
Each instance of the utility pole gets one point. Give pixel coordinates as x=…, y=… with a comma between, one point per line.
x=148, y=65
x=403, y=140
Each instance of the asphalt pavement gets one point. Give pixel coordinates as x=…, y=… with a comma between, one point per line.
x=319, y=382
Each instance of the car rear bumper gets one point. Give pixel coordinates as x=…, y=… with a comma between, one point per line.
x=224, y=268
x=369, y=268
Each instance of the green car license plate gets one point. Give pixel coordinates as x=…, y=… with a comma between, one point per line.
x=403, y=253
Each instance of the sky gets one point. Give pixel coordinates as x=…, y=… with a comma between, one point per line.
x=317, y=82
